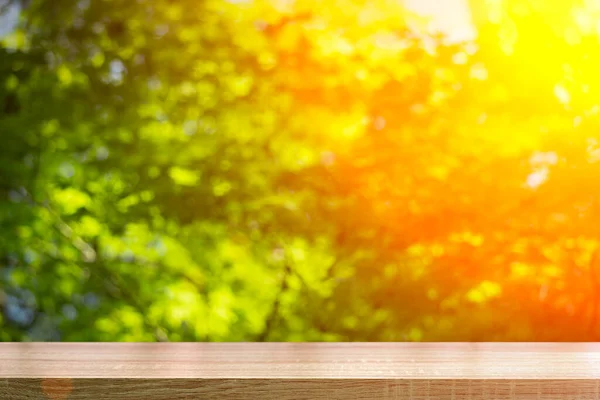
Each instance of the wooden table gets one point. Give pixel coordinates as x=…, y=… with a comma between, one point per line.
x=286, y=371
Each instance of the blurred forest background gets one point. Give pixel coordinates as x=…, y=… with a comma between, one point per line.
x=299, y=170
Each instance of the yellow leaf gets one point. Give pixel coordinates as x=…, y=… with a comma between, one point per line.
x=98, y=59
x=184, y=177
x=71, y=200
x=64, y=75
x=485, y=291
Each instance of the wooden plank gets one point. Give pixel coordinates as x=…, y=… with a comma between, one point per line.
x=282, y=389
x=288, y=371
x=3, y=388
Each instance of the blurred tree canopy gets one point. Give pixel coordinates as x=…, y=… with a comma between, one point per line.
x=298, y=171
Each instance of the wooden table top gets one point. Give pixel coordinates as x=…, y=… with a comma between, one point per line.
x=301, y=360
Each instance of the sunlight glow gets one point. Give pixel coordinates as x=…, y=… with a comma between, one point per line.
x=451, y=17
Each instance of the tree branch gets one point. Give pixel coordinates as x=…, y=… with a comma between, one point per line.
x=274, y=313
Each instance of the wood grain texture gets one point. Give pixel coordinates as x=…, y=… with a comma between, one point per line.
x=287, y=371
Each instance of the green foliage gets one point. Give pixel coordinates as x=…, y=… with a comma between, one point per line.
x=308, y=170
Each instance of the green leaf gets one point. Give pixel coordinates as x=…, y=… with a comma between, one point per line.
x=184, y=177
